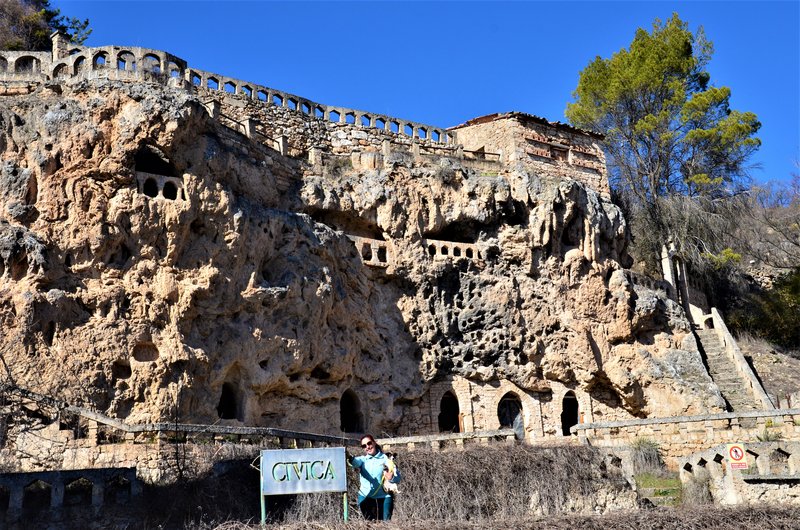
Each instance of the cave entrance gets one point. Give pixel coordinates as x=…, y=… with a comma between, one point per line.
x=449, y=417
x=228, y=408
x=350, y=415
x=509, y=412
x=569, y=412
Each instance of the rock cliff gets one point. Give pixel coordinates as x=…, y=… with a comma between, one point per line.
x=225, y=286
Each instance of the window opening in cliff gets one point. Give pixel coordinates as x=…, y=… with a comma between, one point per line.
x=366, y=252
x=170, y=191
x=48, y=332
x=173, y=69
x=422, y=133
x=350, y=118
x=305, y=108
x=468, y=253
x=60, y=71
x=569, y=412
x=150, y=187
x=3, y=64
x=212, y=83
x=366, y=121
x=25, y=65
x=432, y=250
x=230, y=88
x=117, y=490
x=277, y=100
x=435, y=136
x=408, y=130
x=247, y=91
x=445, y=250
x=291, y=103
x=196, y=80
x=78, y=492
x=380, y=123
x=350, y=415
x=145, y=352
x=449, y=417
x=74, y=424
x=334, y=116
x=228, y=407
x=121, y=369
x=509, y=413
x=319, y=112
x=262, y=96
x=36, y=496
x=382, y=254
x=100, y=60
x=456, y=252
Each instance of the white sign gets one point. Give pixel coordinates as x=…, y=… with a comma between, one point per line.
x=736, y=454
x=287, y=471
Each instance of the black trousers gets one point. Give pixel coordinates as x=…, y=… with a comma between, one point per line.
x=377, y=509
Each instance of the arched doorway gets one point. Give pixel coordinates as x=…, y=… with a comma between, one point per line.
x=509, y=413
x=449, y=420
x=228, y=407
x=569, y=412
x=350, y=415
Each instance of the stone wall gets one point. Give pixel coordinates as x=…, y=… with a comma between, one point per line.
x=550, y=149
x=678, y=437
x=772, y=474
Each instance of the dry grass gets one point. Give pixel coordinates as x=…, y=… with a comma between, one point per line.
x=697, y=518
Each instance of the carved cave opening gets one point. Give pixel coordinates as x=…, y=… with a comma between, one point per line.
x=170, y=191
x=229, y=406
x=348, y=224
x=350, y=414
x=509, y=413
x=449, y=416
x=150, y=188
x=569, y=412
x=145, y=352
x=121, y=369
x=150, y=159
x=78, y=493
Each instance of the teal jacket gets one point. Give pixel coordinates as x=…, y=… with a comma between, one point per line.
x=371, y=472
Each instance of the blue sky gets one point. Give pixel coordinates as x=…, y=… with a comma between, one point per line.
x=443, y=63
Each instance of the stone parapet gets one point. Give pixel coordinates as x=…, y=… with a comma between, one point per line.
x=680, y=436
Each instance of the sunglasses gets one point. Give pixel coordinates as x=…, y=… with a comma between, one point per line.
x=368, y=444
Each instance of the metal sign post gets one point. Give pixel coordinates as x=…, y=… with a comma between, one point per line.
x=292, y=471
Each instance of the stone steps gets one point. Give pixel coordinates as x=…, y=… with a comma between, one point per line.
x=724, y=374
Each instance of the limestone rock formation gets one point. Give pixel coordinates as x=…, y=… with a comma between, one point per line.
x=156, y=265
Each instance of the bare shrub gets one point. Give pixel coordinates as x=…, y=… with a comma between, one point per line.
x=697, y=491
x=646, y=457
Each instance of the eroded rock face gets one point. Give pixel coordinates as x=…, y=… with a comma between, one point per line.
x=229, y=288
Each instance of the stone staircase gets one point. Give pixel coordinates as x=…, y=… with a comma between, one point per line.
x=723, y=372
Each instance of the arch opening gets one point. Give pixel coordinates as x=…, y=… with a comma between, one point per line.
x=509, y=413
x=449, y=414
x=350, y=414
x=36, y=496
x=569, y=412
x=170, y=191
x=78, y=492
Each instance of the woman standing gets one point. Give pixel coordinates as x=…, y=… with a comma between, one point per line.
x=375, y=469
